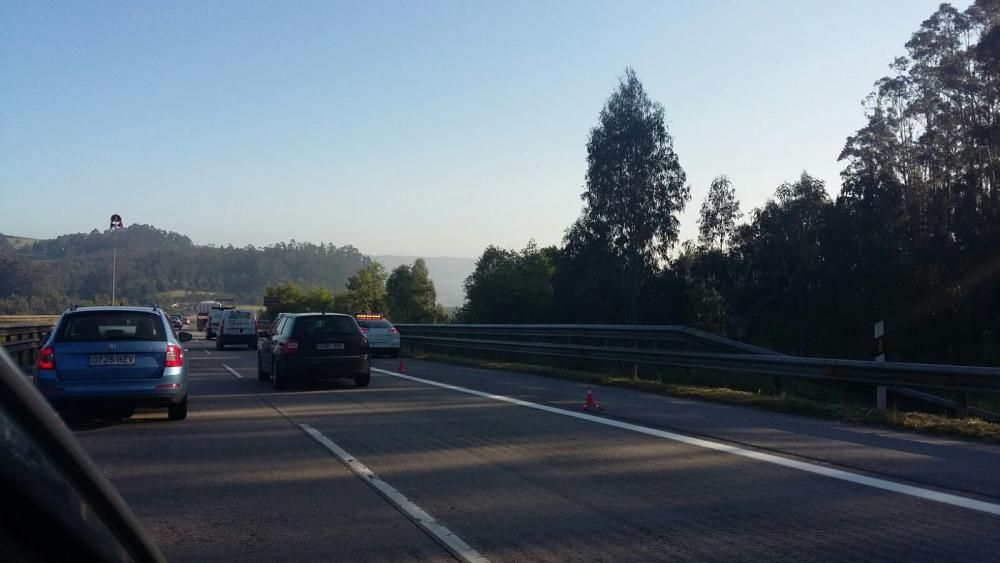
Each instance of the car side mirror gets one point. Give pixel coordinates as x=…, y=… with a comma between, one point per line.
x=263, y=333
x=184, y=336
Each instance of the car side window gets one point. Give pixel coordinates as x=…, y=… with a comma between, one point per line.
x=281, y=326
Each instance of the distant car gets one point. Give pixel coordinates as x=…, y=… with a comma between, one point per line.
x=237, y=327
x=185, y=322
x=114, y=356
x=383, y=338
x=176, y=321
x=313, y=346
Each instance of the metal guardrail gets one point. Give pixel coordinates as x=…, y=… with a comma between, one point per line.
x=670, y=337
x=22, y=342
x=693, y=349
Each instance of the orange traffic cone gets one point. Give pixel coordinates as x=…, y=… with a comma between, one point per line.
x=590, y=403
x=402, y=365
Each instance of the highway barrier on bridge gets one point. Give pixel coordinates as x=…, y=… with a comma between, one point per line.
x=677, y=346
x=657, y=345
x=22, y=342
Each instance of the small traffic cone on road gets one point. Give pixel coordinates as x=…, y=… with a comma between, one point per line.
x=402, y=365
x=590, y=403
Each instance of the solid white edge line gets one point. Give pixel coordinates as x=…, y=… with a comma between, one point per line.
x=454, y=543
x=910, y=490
x=232, y=371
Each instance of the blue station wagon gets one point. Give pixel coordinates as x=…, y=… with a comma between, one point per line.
x=114, y=356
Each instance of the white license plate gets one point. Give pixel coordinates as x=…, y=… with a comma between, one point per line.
x=330, y=346
x=112, y=360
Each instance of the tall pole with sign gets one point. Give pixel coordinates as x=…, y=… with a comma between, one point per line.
x=116, y=225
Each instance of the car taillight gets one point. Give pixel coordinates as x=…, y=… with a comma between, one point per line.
x=393, y=330
x=291, y=346
x=175, y=356
x=46, y=358
x=364, y=330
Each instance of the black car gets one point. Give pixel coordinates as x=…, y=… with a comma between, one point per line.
x=314, y=346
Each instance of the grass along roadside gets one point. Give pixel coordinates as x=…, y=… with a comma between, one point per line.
x=970, y=428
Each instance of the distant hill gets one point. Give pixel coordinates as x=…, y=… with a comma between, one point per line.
x=47, y=275
x=446, y=272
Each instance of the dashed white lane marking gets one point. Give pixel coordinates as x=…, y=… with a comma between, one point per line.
x=207, y=353
x=910, y=490
x=459, y=548
x=232, y=371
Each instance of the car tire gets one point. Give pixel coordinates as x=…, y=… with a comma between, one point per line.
x=219, y=345
x=277, y=381
x=261, y=376
x=178, y=411
x=394, y=353
x=252, y=345
x=362, y=380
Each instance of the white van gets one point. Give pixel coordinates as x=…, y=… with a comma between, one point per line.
x=214, y=318
x=237, y=326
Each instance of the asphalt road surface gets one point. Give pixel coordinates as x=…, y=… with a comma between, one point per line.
x=452, y=462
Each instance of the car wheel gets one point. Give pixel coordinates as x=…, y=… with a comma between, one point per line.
x=362, y=380
x=261, y=376
x=276, y=380
x=178, y=411
x=252, y=346
x=394, y=353
x=219, y=345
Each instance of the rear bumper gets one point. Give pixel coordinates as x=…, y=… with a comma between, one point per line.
x=162, y=391
x=320, y=368
x=238, y=338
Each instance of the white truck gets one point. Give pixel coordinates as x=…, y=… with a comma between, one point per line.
x=204, y=308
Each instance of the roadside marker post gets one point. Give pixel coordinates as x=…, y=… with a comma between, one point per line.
x=880, y=391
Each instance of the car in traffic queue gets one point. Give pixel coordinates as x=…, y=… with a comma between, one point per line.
x=313, y=346
x=383, y=337
x=122, y=357
x=177, y=322
x=237, y=327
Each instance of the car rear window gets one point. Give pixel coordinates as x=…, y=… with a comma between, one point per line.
x=111, y=325
x=375, y=324
x=311, y=328
x=240, y=315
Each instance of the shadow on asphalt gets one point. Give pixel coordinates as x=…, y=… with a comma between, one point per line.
x=332, y=384
x=84, y=420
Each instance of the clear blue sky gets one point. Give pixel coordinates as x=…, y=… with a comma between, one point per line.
x=423, y=128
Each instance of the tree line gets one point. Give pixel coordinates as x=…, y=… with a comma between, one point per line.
x=912, y=238
x=406, y=295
